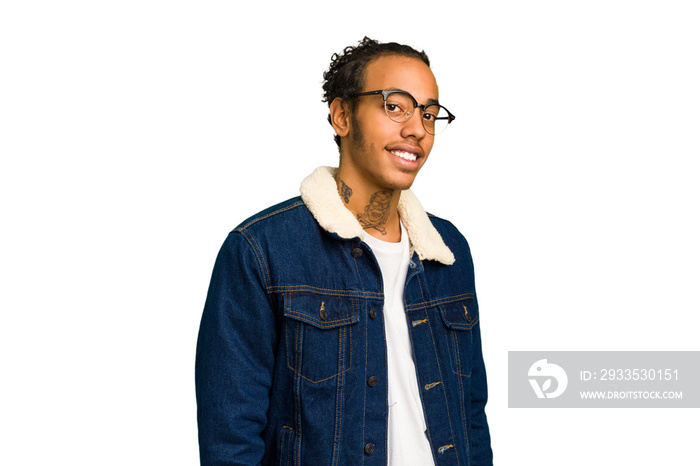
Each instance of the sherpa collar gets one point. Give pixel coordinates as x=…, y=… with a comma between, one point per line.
x=320, y=194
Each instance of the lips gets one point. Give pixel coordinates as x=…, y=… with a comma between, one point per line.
x=404, y=155
x=406, y=152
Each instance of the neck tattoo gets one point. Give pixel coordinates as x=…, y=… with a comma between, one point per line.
x=345, y=191
x=376, y=213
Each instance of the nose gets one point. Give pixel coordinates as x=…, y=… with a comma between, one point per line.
x=414, y=125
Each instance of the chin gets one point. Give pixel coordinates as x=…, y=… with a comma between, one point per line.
x=401, y=183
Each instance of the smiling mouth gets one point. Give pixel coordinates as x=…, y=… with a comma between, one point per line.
x=404, y=155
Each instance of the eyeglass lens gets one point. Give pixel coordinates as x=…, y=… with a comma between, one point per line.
x=399, y=107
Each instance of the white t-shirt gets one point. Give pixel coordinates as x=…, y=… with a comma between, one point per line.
x=408, y=442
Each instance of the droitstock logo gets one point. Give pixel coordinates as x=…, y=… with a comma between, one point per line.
x=543, y=371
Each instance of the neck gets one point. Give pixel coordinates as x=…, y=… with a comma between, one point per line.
x=374, y=208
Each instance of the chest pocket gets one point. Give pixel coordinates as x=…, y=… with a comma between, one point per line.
x=318, y=334
x=460, y=318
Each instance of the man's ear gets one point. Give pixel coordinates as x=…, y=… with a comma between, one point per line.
x=340, y=117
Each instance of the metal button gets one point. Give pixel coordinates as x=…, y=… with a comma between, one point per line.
x=323, y=314
x=373, y=313
x=466, y=314
x=369, y=448
x=356, y=253
x=372, y=381
x=412, y=264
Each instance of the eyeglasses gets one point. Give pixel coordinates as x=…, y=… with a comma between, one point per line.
x=400, y=107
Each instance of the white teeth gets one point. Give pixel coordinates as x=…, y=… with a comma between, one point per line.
x=404, y=155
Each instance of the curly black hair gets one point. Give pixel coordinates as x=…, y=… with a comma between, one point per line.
x=346, y=75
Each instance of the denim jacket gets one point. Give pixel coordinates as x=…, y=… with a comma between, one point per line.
x=291, y=362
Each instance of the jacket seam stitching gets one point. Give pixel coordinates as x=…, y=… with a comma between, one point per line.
x=320, y=323
x=462, y=400
x=297, y=387
x=364, y=391
x=444, y=393
x=455, y=345
x=325, y=291
x=339, y=402
x=262, y=263
x=422, y=295
x=270, y=214
x=436, y=302
x=459, y=326
x=422, y=400
x=317, y=381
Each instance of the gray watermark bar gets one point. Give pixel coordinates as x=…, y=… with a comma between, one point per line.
x=604, y=379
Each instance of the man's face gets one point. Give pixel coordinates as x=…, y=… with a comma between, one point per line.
x=380, y=150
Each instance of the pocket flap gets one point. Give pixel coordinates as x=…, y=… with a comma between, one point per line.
x=460, y=315
x=321, y=311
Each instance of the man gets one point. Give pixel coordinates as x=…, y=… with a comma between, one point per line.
x=341, y=327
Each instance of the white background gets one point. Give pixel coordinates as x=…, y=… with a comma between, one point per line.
x=135, y=134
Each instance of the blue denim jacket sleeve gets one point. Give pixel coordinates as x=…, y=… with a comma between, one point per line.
x=480, y=437
x=235, y=358
x=480, y=440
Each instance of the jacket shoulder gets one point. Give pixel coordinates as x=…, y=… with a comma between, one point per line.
x=451, y=235
x=444, y=226
x=278, y=212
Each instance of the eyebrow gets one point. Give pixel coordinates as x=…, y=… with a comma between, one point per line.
x=430, y=101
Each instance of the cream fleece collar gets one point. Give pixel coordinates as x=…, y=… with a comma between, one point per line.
x=320, y=194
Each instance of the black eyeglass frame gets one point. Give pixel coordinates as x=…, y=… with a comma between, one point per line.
x=385, y=94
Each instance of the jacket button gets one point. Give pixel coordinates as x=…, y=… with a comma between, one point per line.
x=369, y=448
x=323, y=314
x=372, y=381
x=356, y=253
x=469, y=318
x=373, y=313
